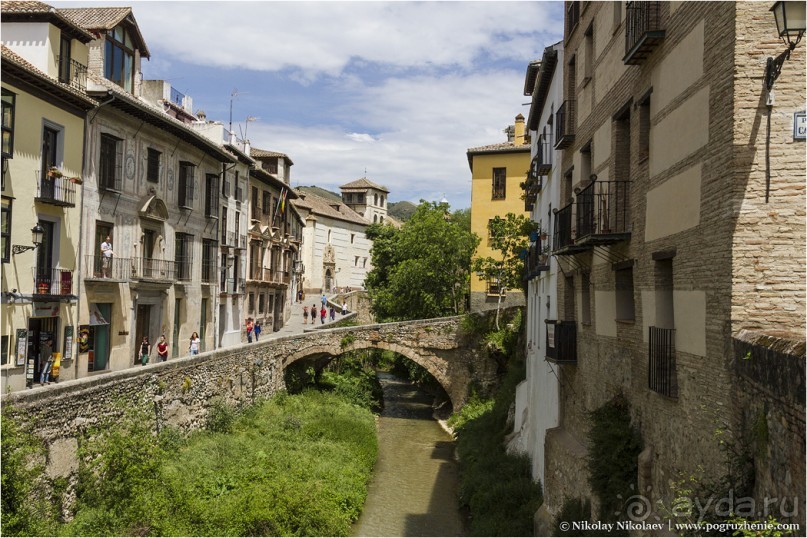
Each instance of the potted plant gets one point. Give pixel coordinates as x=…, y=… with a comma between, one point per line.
x=54, y=172
x=76, y=180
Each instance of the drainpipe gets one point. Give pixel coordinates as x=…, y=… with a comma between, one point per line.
x=81, y=230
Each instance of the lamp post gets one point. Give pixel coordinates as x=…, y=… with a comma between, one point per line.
x=790, y=26
x=37, y=233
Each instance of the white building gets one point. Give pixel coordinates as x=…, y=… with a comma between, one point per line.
x=537, y=397
x=367, y=199
x=336, y=251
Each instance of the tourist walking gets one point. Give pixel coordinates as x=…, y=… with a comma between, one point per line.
x=305, y=315
x=257, y=330
x=194, y=346
x=344, y=308
x=145, y=351
x=322, y=314
x=162, y=349
x=333, y=313
x=324, y=301
x=313, y=314
x=46, y=360
x=249, y=330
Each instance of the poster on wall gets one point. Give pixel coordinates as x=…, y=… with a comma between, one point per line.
x=68, y=343
x=22, y=346
x=84, y=339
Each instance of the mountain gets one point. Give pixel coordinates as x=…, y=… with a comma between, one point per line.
x=324, y=193
x=401, y=210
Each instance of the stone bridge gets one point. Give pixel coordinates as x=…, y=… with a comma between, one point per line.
x=180, y=392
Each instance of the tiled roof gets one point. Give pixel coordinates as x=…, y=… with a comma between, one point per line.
x=21, y=11
x=106, y=18
x=321, y=206
x=497, y=148
x=363, y=183
x=256, y=153
x=13, y=60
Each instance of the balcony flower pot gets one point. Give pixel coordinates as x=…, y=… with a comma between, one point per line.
x=54, y=172
x=76, y=180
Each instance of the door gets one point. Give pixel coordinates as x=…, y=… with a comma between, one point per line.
x=101, y=338
x=148, y=250
x=49, y=143
x=102, y=231
x=141, y=328
x=44, y=259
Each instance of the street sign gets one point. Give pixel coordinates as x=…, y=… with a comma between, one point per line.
x=799, y=126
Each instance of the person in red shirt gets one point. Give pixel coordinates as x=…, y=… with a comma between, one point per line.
x=162, y=349
x=322, y=314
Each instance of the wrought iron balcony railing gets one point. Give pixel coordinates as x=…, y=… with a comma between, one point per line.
x=112, y=268
x=603, y=212
x=53, y=281
x=564, y=234
x=643, y=30
x=537, y=259
x=153, y=269
x=209, y=272
x=542, y=163
x=55, y=190
x=561, y=342
x=72, y=73
x=564, y=125
x=661, y=362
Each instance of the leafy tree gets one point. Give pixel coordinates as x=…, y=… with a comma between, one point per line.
x=510, y=236
x=422, y=269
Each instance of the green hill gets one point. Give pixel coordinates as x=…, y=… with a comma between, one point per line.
x=401, y=210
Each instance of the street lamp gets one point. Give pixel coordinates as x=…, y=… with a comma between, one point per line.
x=790, y=26
x=37, y=233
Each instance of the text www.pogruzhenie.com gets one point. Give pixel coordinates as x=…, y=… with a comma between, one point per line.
x=701, y=526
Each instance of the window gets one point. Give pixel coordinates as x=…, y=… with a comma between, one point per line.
x=375, y=199
x=251, y=302
x=64, y=59
x=255, y=203
x=184, y=255
x=622, y=151
x=569, y=299
x=493, y=286
x=209, y=248
x=119, y=58
x=5, y=231
x=153, y=165
x=572, y=16
x=665, y=313
x=625, y=308
x=50, y=145
x=110, y=165
x=585, y=163
x=4, y=351
x=262, y=303
x=9, y=100
x=356, y=261
x=499, y=183
x=212, y=196
x=225, y=184
x=102, y=231
x=186, y=171
x=267, y=202
x=589, y=52
x=352, y=237
x=223, y=225
x=644, y=128
x=617, y=14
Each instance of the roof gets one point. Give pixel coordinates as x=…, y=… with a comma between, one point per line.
x=15, y=65
x=17, y=11
x=106, y=18
x=321, y=206
x=272, y=180
x=504, y=147
x=256, y=153
x=530, y=77
x=157, y=117
x=541, y=85
x=363, y=183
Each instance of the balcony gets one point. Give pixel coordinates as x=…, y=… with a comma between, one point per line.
x=563, y=238
x=603, y=213
x=72, y=73
x=107, y=269
x=55, y=189
x=259, y=274
x=542, y=162
x=643, y=31
x=537, y=259
x=152, y=270
x=50, y=284
x=561, y=342
x=661, y=365
x=564, y=125
x=242, y=241
x=229, y=239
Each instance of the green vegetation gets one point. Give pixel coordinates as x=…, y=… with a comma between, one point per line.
x=509, y=236
x=401, y=210
x=497, y=488
x=295, y=465
x=422, y=269
x=574, y=510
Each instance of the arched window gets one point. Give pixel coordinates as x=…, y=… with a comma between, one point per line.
x=375, y=199
x=375, y=218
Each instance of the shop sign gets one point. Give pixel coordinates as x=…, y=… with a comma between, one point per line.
x=68, y=342
x=22, y=346
x=799, y=126
x=45, y=310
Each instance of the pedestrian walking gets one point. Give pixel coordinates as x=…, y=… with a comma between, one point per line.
x=46, y=360
x=344, y=308
x=257, y=330
x=194, y=346
x=249, y=330
x=322, y=314
x=313, y=314
x=162, y=349
x=305, y=315
x=324, y=301
x=145, y=351
x=333, y=313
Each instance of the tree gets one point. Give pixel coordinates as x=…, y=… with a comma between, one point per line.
x=421, y=270
x=511, y=237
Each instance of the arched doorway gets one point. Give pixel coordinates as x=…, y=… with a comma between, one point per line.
x=328, y=280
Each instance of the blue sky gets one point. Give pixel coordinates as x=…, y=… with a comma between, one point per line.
x=400, y=89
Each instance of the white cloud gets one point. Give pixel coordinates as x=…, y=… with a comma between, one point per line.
x=360, y=137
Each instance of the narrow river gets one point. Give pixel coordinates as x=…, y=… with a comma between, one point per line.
x=415, y=484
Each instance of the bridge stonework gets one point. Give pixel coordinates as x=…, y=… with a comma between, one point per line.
x=181, y=391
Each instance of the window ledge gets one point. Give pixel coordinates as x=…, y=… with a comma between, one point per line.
x=626, y=321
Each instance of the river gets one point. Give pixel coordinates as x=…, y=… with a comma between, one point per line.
x=415, y=482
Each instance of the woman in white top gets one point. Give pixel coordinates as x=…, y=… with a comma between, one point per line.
x=193, y=349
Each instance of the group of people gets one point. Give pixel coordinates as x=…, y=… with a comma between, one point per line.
x=323, y=312
x=194, y=347
x=253, y=328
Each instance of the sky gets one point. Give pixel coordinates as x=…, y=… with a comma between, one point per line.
x=394, y=91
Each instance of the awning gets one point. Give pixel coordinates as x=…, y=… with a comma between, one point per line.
x=95, y=316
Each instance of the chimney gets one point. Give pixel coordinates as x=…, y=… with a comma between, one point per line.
x=519, y=134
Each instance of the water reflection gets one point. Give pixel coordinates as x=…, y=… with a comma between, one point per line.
x=415, y=482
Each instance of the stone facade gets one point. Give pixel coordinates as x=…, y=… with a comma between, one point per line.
x=670, y=234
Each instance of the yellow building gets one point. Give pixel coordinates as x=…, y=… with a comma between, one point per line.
x=496, y=171
x=44, y=110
